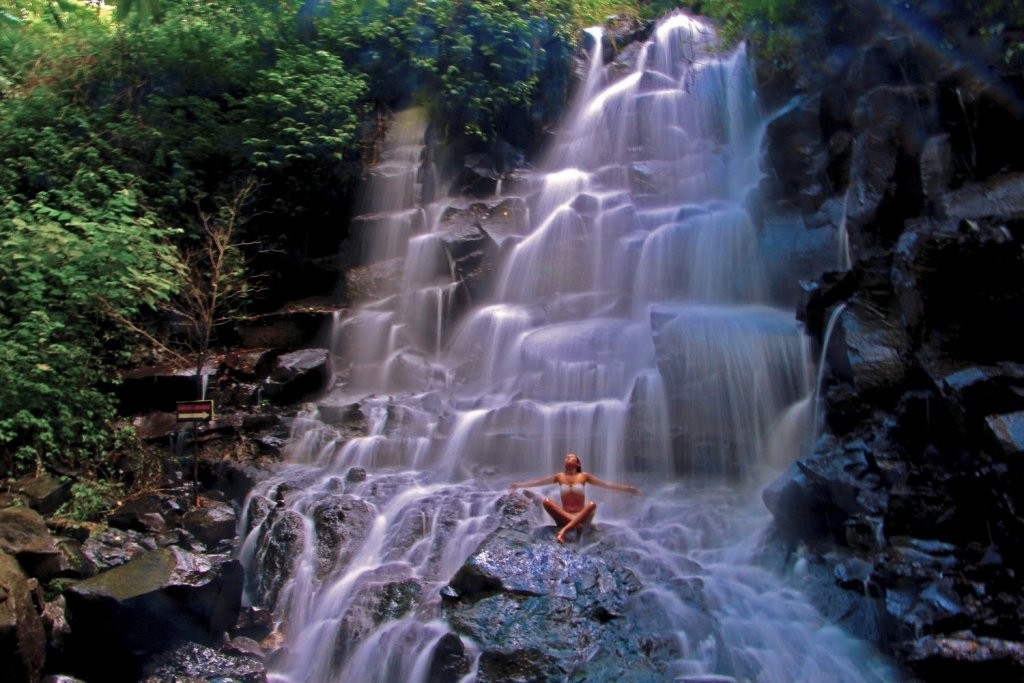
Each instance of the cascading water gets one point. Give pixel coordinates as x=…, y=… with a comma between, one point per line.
x=631, y=323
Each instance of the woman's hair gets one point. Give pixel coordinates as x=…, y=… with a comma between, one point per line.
x=579, y=466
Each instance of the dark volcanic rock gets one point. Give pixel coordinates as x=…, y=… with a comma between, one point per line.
x=195, y=662
x=909, y=507
x=298, y=375
x=964, y=655
x=154, y=511
x=22, y=638
x=147, y=605
x=544, y=611
x=284, y=541
x=965, y=314
x=212, y=522
x=25, y=536
x=44, y=494
x=341, y=523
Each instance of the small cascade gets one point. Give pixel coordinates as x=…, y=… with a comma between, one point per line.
x=845, y=259
x=633, y=323
x=819, y=382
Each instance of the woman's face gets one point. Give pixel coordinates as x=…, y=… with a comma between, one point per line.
x=572, y=462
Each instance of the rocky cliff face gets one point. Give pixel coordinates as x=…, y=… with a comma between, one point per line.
x=899, y=127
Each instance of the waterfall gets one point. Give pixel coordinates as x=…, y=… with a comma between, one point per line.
x=630, y=322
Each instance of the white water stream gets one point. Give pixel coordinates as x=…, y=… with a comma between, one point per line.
x=631, y=323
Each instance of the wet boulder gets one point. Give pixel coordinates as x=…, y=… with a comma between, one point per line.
x=24, y=536
x=936, y=168
x=379, y=596
x=448, y=662
x=373, y=281
x=298, y=375
x=871, y=352
x=195, y=662
x=829, y=494
x=147, y=605
x=981, y=398
x=470, y=249
x=341, y=524
x=963, y=655
x=795, y=153
x=1007, y=431
x=1000, y=197
x=345, y=415
x=965, y=314
x=478, y=176
x=44, y=494
x=212, y=522
x=250, y=364
x=254, y=623
x=540, y=610
x=113, y=547
x=22, y=636
x=282, y=539
x=153, y=511
x=892, y=125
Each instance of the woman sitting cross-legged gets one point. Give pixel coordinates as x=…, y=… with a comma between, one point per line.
x=575, y=511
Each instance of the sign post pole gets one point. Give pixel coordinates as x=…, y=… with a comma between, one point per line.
x=195, y=412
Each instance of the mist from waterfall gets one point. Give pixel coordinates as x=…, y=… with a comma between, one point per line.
x=632, y=321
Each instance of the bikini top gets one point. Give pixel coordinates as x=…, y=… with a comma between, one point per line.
x=577, y=488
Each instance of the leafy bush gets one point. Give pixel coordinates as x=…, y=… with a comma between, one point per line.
x=302, y=109
x=477, y=64
x=91, y=500
x=767, y=24
x=68, y=267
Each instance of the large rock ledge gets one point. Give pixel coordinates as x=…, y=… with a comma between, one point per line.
x=544, y=611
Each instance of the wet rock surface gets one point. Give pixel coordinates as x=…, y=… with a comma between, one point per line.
x=22, y=636
x=192, y=661
x=906, y=515
x=546, y=611
x=148, y=604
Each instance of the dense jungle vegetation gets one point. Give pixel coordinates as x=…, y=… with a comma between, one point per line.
x=154, y=151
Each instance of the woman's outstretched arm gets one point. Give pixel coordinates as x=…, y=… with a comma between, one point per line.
x=591, y=479
x=535, y=482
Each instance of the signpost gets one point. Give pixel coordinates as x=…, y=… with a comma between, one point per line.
x=195, y=412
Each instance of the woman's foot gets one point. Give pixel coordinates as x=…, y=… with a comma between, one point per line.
x=561, y=536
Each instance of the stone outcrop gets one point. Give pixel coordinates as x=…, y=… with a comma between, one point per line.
x=297, y=375
x=545, y=611
x=149, y=604
x=908, y=509
x=22, y=637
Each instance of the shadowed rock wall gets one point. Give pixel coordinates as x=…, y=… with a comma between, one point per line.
x=902, y=129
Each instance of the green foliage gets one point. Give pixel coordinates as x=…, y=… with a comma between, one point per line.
x=768, y=24
x=69, y=267
x=139, y=11
x=305, y=108
x=91, y=500
x=478, y=64
x=597, y=12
